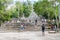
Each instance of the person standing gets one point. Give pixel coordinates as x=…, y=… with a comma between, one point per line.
x=52, y=27
x=55, y=27
x=43, y=29
x=36, y=22
x=22, y=27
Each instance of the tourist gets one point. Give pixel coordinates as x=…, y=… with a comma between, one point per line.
x=36, y=22
x=52, y=27
x=43, y=29
x=55, y=27
x=22, y=27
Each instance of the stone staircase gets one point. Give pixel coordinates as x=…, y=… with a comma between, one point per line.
x=14, y=25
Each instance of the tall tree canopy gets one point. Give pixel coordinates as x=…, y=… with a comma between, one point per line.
x=45, y=8
x=27, y=8
x=3, y=6
x=19, y=8
x=24, y=8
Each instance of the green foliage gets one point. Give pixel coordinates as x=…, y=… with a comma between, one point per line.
x=46, y=9
x=4, y=16
x=27, y=8
x=24, y=8
x=19, y=8
x=12, y=13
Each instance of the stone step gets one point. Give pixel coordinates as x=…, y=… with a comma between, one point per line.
x=52, y=32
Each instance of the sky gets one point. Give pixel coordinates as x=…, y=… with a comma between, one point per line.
x=25, y=0
x=9, y=6
x=14, y=1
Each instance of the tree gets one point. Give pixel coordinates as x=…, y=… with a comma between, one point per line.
x=13, y=13
x=24, y=8
x=3, y=6
x=27, y=8
x=45, y=9
x=19, y=8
